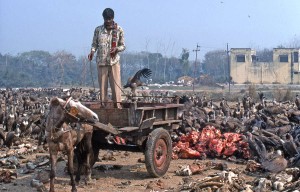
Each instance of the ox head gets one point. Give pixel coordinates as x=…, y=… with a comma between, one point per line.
x=75, y=109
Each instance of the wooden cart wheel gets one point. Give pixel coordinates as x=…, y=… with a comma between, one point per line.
x=158, y=152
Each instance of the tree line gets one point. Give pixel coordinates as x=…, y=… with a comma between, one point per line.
x=42, y=69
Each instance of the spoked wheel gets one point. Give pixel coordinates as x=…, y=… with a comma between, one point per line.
x=158, y=152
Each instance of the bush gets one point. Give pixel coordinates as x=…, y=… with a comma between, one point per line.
x=233, y=97
x=242, y=91
x=216, y=96
x=288, y=95
x=252, y=91
x=278, y=94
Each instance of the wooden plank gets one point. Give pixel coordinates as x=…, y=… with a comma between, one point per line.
x=147, y=123
x=95, y=106
x=117, y=117
x=161, y=107
x=166, y=115
x=166, y=122
x=128, y=129
x=107, y=128
x=132, y=114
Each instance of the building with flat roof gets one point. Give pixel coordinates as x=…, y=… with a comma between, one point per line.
x=245, y=67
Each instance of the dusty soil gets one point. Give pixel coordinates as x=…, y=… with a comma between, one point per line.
x=125, y=173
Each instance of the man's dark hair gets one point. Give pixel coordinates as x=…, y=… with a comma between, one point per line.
x=108, y=13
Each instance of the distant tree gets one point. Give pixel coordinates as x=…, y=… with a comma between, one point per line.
x=147, y=42
x=174, y=69
x=63, y=60
x=281, y=46
x=41, y=58
x=155, y=59
x=131, y=63
x=215, y=64
x=265, y=55
x=33, y=67
x=184, y=60
x=294, y=43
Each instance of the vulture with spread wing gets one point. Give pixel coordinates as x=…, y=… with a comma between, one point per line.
x=135, y=81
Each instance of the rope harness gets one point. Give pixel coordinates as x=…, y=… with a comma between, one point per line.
x=57, y=130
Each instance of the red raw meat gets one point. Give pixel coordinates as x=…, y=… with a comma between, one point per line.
x=232, y=137
x=189, y=153
x=208, y=133
x=216, y=146
x=209, y=141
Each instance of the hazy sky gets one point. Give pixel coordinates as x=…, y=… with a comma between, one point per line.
x=164, y=26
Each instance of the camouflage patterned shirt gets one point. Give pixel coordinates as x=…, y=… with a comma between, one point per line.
x=102, y=42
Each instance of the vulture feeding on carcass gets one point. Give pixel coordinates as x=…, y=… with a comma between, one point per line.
x=135, y=81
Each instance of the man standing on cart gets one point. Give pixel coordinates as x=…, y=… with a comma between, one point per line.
x=108, y=41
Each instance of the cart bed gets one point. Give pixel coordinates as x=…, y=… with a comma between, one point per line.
x=133, y=114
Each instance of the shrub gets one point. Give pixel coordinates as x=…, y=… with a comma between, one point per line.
x=288, y=95
x=252, y=91
x=278, y=94
x=243, y=91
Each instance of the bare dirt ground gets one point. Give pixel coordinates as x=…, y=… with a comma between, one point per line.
x=125, y=173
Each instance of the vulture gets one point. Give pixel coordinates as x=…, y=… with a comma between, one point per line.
x=276, y=163
x=261, y=97
x=225, y=108
x=12, y=138
x=297, y=102
x=294, y=116
x=295, y=162
x=204, y=102
x=135, y=81
x=256, y=146
x=2, y=136
x=237, y=113
x=289, y=146
x=269, y=142
x=247, y=102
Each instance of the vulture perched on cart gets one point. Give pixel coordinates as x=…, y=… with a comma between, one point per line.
x=135, y=81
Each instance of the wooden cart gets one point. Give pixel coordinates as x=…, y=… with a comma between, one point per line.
x=145, y=127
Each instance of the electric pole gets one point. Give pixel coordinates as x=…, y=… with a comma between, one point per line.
x=228, y=63
x=195, y=50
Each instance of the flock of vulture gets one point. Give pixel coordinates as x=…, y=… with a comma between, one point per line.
x=23, y=111
x=270, y=128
